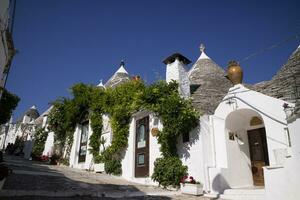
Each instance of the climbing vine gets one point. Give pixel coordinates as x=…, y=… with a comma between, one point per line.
x=119, y=103
x=177, y=114
x=8, y=103
x=40, y=138
x=96, y=109
x=67, y=112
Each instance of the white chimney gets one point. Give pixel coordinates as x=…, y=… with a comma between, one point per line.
x=176, y=71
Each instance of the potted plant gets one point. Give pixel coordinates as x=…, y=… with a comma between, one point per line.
x=99, y=167
x=188, y=185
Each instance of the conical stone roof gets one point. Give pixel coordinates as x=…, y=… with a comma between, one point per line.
x=283, y=84
x=213, y=85
x=120, y=76
x=32, y=113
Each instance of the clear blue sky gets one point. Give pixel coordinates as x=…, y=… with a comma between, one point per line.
x=62, y=42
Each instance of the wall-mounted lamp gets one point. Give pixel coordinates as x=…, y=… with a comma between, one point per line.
x=289, y=110
x=239, y=140
x=234, y=136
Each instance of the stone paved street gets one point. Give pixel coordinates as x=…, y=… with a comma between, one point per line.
x=34, y=180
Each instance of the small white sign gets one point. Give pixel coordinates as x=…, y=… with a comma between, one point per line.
x=141, y=144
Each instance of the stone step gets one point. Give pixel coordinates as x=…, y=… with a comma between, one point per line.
x=245, y=191
x=241, y=197
x=243, y=194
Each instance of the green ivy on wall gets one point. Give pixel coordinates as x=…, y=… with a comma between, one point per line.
x=8, y=103
x=40, y=138
x=68, y=112
x=119, y=103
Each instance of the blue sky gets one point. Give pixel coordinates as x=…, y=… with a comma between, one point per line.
x=63, y=42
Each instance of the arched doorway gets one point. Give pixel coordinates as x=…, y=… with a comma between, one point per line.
x=246, y=131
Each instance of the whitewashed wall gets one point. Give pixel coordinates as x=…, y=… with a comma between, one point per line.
x=11, y=134
x=49, y=145
x=4, y=4
x=283, y=180
x=128, y=162
x=176, y=71
x=191, y=153
x=229, y=154
x=74, y=154
x=106, y=132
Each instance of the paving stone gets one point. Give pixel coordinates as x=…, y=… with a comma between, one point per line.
x=34, y=180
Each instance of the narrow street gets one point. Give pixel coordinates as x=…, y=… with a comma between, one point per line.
x=34, y=180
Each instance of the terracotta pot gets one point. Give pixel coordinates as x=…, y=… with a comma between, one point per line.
x=154, y=132
x=136, y=78
x=234, y=72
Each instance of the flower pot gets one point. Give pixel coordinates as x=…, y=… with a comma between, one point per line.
x=193, y=189
x=99, y=167
x=2, y=183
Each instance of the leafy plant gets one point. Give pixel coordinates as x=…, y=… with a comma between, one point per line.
x=168, y=171
x=119, y=103
x=8, y=103
x=68, y=112
x=40, y=138
x=113, y=166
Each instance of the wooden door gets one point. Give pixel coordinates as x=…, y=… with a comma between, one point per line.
x=142, y=148
x=258, y=154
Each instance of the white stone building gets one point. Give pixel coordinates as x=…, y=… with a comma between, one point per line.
x=7, y=50
x=245, y=145
x=23, y=129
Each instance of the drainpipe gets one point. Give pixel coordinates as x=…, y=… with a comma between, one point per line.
x=213, y=165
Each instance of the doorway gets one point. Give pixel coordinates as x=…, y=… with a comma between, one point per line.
x=258, y=154
x=83, y=141
x=142, y=148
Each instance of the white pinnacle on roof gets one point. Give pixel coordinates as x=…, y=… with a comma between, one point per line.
x=203, y=55
x=298, y=48
x=100, y=84
x=33, y=107
x=122, y=69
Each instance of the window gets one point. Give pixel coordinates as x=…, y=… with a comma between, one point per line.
x=185, y=137
x=141, y=137
x=194, y=87
x=141, y=159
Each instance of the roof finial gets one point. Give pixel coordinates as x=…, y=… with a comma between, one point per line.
x=202, y=55
x=100, y=84
x=122, y=63
x=202, y=47
x=122, y=68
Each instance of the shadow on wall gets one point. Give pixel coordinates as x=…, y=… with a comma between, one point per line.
x=220, y=184
x=186, y=147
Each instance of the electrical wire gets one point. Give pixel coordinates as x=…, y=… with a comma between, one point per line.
x=272, y=47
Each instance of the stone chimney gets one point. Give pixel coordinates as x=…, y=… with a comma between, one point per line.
x=176, y=71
